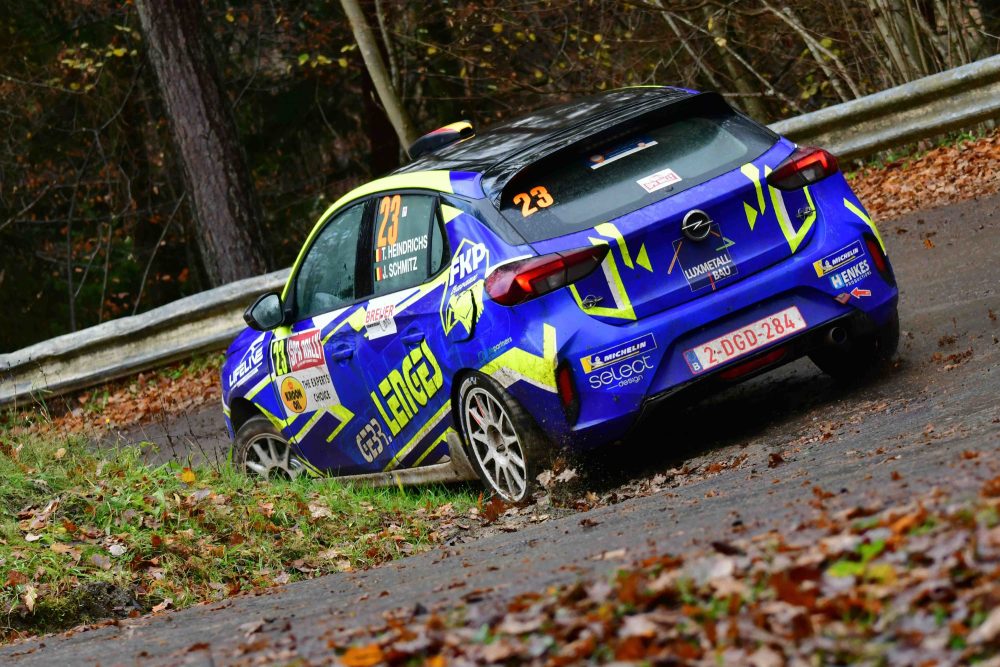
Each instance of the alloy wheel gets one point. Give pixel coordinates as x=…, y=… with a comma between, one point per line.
x=495, y=444
x=271, y=457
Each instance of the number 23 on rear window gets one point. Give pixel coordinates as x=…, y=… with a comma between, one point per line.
x=536, y=198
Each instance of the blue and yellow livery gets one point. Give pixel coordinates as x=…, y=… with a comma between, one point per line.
x=545, y=284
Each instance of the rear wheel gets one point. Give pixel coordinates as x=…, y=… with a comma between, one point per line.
x=260, y=450
x=860, y=357
x=506, y=448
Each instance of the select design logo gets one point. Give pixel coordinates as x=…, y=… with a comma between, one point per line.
x=618, y=353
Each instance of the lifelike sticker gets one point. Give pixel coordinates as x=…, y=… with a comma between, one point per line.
x=372, y=440
x=852, y=275
x=703, y=264
x=744, y=340
x=304, y=382
x=462, y=300
x=249, y=363
x=599, y=160
x=379, y=317
x=846, y=255
x=408, y=388
x=659, y=180
x=618, y=353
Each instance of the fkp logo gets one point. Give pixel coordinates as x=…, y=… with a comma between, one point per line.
x=462, y=299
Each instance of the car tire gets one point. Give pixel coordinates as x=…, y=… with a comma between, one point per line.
x=261, y=451
x=505, y=446
x=859, y=358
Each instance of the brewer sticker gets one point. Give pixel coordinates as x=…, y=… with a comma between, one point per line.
x=659, y=180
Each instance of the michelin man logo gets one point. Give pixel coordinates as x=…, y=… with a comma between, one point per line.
x=462, y=301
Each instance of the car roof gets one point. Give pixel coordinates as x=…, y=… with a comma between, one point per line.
x=502, y=150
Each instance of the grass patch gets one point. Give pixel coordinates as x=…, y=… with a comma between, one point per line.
x=87, y=535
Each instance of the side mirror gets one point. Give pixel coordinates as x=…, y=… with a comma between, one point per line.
x=265, y=313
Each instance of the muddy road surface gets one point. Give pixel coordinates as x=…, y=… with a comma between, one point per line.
x=751, y=459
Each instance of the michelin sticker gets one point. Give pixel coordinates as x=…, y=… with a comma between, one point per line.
x=621, y=365
x=304, y=383
x=462, y=301
x=836, y=260
x=379, y=317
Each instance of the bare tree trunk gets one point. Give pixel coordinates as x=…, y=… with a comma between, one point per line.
x=225, y=206
x=818, y=52
x=732, y=61
x=376, y=69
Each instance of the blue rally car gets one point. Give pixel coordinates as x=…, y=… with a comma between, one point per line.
x=545, y=284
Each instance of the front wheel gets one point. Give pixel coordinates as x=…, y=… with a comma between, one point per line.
x=859, y=358
x=507, y=449
x=260, y=450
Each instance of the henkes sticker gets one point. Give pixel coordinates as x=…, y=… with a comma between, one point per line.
x=659, y=180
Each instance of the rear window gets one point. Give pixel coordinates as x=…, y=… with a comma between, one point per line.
x=631, y=166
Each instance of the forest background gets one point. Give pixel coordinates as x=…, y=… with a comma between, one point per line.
x=97, y=215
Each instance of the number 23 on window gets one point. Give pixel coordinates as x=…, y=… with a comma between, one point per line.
x=388, y=209
x=536, y=198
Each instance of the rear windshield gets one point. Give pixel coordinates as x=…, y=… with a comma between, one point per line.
x=622, y=170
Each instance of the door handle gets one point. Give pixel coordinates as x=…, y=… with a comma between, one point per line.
x=342, y=353
x=413, y=338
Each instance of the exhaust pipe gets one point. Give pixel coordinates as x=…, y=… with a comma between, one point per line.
x=836, y=336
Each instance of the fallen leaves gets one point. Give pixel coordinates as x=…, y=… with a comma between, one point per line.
x=942, y=175
x=902, y=585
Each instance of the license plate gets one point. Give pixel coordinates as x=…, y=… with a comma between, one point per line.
x=745, y=340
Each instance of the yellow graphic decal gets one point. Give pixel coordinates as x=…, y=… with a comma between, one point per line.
x=442, y=438
x=793, y=237
x=623, y=305
x=753, y=173
x=609, y=230
x=643, y=259
x=867, y=220
x=419, y=435
x=449, y=213
x=407, y=389
x=517, y=364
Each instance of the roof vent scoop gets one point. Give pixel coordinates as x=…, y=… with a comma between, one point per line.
x=441, y=137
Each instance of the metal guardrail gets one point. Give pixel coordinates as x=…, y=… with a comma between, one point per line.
x=958, y=98
x=208, y=321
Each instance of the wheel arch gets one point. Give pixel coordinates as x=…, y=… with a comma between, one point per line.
x=241, y=410
x=456, y=407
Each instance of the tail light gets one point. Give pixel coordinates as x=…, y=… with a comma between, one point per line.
x=567, y=392
x=879, y=259
x=528, y=279
x=805, y=166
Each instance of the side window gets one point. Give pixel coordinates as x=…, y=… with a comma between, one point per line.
x=326, y=278
x=406, y=237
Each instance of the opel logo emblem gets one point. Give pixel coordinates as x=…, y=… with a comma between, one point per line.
x=696, y=225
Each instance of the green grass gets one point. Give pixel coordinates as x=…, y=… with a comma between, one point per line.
x=180, y=534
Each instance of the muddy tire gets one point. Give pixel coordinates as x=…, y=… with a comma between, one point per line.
x=260, y=450
x=859, y=359
x=505, y=446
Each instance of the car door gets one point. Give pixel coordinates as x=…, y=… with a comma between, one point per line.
x=403, y=354
x=315, y=370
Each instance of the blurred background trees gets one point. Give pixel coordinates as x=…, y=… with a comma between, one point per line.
x=97, y=218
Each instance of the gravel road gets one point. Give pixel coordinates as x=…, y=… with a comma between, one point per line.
x=772, y=439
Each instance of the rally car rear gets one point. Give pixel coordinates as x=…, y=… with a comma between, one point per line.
x=724, y=251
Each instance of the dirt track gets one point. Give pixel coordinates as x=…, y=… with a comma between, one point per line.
x=888, y=441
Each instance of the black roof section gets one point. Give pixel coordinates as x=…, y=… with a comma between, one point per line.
x=502, y=150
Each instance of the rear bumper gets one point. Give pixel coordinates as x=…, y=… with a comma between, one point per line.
x=609, y=410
